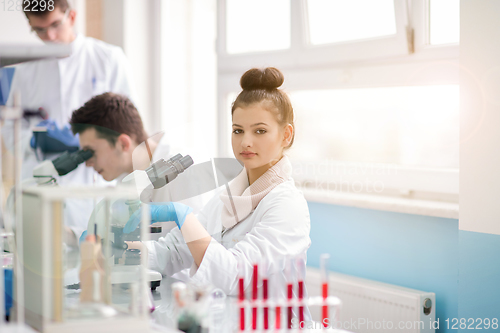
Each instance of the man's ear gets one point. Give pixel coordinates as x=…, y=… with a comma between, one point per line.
x=288, y=135
x=72, y=17
x=124, y=142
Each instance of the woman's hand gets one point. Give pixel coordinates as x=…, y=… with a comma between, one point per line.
x=195, y=235
x=160, y=212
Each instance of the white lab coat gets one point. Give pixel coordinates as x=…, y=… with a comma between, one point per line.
x=183, y=189
x=168, y=193
x=164, y=194
x=61, y=86
x=122, y=215
x=277, y=228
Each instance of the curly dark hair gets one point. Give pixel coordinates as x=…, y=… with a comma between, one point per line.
x=111, y=115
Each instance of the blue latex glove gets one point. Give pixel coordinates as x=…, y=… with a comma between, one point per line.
x=82, y=237
x=55, y=139
x=160, y=212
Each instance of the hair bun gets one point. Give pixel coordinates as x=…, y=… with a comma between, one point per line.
x=267, y=79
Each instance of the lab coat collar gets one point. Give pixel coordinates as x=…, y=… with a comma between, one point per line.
x=240, y=198
x=77, y=44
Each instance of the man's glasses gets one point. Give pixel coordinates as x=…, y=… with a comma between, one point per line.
x=54, y=26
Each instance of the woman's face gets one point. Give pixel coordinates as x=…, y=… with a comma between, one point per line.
x=258, y=139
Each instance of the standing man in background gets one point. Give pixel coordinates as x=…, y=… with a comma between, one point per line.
x=63, y=85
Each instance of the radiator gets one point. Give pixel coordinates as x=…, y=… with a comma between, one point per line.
x=371, y=306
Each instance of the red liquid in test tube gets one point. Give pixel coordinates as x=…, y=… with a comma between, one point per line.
x=242, y=318
x=276, y=288
x=324, y=287
x=301, y=271
x=255, y=293
x=301, y=308
x=242, y=299
x=277, y=324
x=241, y=294
x=289, y=297
x=325, y=307
x=289, y=274
x=266, y=308
x=265, y=293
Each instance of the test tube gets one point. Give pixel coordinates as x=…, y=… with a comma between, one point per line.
x=324, y=286
x=265, y=278
x=289, y=275
x=277, y=297
x=255, y=294
x=241, y=284
x=301, y=275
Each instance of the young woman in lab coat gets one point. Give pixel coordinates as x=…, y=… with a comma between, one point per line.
x=262, y=216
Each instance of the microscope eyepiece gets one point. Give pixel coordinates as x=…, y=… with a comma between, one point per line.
x=163, y=172
x=186, y=162
x=68, y=162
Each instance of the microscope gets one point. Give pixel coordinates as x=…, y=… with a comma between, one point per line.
x=156, y=176
x=126, y=260
x=44, y=172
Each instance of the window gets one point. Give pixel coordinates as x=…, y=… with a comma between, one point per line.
x=412, y=126
x=262, y=31
x=334, y=21
x=270, y=28
x=375, y=81
x=444, y=21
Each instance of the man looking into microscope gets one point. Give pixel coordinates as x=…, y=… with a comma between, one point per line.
x=110, y=126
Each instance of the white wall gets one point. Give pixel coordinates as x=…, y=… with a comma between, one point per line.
x=14, y=27
x=480, y=116
x=189, y=76
x=138, y=46
x=131, y=25
x=79, y=6
x=136, y=38
x=173, y=65
x=112, y=22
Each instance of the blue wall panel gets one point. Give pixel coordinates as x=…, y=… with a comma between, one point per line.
x=479, y=285
x=413, y=251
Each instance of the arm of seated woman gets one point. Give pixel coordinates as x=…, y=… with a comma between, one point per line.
x=195, y=235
